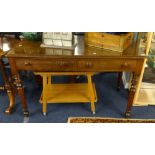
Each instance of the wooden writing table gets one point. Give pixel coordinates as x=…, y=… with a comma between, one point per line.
x=30, y=56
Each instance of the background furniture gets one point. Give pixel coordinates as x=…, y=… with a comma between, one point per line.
x=27, y=55
x=115, y=41
x=67, y=93
x=10, y=34
x=148, y=44
x=145, y=91
x=7, y=84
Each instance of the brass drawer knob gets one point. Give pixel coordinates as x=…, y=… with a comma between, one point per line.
x=89, y=64
x=27, y=63
x=125, y=65
x=62, y=63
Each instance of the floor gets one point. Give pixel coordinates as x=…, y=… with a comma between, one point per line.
x=146, y=95
x=147, y=91
x=111, y=103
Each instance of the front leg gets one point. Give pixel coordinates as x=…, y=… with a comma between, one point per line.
x=19, y=86
x=132, y=93
x=20, y=90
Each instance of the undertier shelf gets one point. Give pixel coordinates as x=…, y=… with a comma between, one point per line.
x=68, y=93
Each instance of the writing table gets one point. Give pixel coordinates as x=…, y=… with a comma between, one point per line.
x=29, y=56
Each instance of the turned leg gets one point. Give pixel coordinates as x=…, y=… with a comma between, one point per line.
x=119, y=80
x=18, y=84
x=132, y=92
x=21, y=93
x=8, y=87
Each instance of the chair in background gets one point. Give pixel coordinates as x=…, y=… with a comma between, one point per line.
x=8, y=86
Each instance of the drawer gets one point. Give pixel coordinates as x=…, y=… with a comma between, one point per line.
x=107, y=65
x=94, y=65
x=46, y=65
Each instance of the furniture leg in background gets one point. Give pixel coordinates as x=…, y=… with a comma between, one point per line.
x=67, y=93
x=8, y=87
x=148, y=45
x=92, y=92
x=119, y=80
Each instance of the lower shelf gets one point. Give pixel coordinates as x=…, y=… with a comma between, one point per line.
x=68, y=93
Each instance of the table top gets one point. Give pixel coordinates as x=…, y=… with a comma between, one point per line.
x=33, y=49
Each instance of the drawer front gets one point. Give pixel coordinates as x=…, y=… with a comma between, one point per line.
x=107, y=65
x=46, y=65
x=94, y=65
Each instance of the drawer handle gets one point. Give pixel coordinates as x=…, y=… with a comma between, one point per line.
x=63, y=64
x=28, y=64
x=89, y=64
x=125, y=65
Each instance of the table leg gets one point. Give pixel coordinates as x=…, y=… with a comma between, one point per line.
x=44, y=100
x=92, y=95
x=21, y=93
x=119, y=80
x=132, y=93
x=7, y=87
